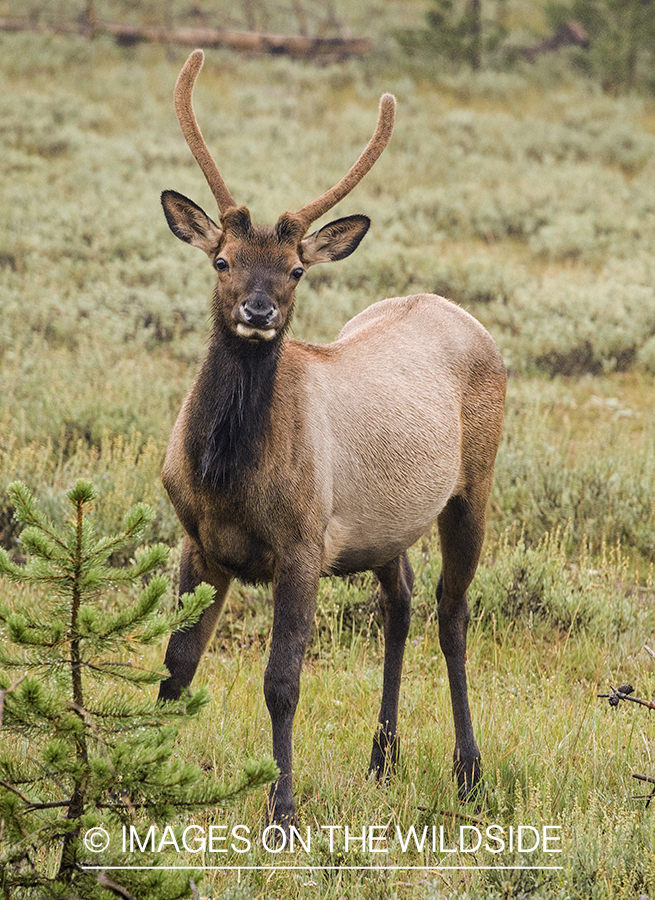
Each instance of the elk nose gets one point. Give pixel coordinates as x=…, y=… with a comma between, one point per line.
x=259, y=311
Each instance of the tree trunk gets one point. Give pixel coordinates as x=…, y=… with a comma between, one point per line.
x=475, y=19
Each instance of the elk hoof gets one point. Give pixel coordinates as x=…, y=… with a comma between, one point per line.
x=280, y=814
x=384, y=756
x=278, y=829
x=470, y=785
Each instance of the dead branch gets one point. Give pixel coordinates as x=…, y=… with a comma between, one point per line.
x=623, y=693
x=649, y=780
x=455, y=814
x=296, y=45
x=112, y=886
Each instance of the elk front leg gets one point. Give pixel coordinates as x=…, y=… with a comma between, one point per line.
x=294, y=597
x=185, y=648
x=396, y=582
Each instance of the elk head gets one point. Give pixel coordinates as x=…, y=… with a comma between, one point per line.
x=259, y=267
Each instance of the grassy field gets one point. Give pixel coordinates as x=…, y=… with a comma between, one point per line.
x=526, y=196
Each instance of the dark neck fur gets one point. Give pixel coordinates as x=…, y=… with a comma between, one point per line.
x=235, y=393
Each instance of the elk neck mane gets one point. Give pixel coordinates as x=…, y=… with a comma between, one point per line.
x=234, y=394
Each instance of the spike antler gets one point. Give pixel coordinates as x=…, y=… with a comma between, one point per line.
x=372, y=151
x=183, y=98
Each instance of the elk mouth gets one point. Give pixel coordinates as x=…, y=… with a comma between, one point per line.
x=251, y=333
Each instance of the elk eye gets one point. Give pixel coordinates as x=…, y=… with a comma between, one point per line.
x=298, y=273
x=221, y=264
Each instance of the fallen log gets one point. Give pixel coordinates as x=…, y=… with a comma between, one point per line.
x=297, y=45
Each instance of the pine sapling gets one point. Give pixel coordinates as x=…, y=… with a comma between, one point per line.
x=81, y=747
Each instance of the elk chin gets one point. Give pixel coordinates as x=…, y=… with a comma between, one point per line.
x=255, y=334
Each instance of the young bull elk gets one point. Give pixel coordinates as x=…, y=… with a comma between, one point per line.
x=289, y=461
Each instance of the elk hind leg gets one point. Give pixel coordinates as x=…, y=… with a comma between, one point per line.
x=396, y=582
x=461, y=529
x=185, y=647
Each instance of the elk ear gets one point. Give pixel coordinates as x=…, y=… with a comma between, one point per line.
x=190, y=223
x=334, y=241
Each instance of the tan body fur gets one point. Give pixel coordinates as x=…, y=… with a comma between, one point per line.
x=378, y=431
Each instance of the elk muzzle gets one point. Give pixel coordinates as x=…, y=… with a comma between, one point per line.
x=258, y=317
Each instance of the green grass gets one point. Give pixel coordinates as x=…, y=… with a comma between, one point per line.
x=534, y=207
x=554, y=754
